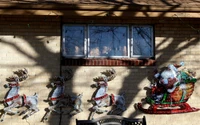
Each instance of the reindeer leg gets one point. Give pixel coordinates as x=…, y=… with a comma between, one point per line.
x=101, y=110
x=74, y=112
x=54, y=109
x=121, y=109
x=76, y=109
x=92, y=112
x=47, y=114
x=2, y=116
x=8, y=109
x=96, y=109
x=61, y=103
x=113, y=110
x=32, y=111
x=50, y=109
x=92, y=115
x=24, y=112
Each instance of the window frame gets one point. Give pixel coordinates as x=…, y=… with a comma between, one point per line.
x=152, y=43
x=129, y=42
x=64, y=41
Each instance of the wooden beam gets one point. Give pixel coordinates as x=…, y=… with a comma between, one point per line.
x=78, y=13
x=101, y=7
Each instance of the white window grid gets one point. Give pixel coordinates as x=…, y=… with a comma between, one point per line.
x=129, y=41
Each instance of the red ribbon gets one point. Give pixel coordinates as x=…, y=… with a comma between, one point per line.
x=56, y=98
x=12, y=98
x=101, y=97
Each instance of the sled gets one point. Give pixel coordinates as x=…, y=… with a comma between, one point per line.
x=170, y=97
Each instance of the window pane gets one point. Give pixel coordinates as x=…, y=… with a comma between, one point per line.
x=142, y=41
x=74, y=40
x=108, y=41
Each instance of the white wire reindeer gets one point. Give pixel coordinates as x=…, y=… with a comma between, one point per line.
x=14, y=100
x=103, y=99
x=13, y=84
x=58, y=98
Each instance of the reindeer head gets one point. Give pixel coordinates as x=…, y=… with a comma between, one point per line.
x=59, y=78
x=13, y=78
x=110, y=73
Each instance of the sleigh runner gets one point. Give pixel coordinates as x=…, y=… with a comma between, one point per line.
x=170, y=93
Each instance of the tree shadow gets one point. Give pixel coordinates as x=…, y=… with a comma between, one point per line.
x=134, y=76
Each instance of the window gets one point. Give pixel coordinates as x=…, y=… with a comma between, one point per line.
x=108, y=41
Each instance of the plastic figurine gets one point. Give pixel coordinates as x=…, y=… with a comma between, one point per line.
x=59, y=99
x=14, y=100
x=102, y=98
x=170, y=91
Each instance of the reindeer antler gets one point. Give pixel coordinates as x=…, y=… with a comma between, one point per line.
x=101, y=78
x=68, y=74
x=22, y=74
x=107, y=75
x=110, y=73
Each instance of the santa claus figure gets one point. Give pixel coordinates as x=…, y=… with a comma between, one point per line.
x=169, y=76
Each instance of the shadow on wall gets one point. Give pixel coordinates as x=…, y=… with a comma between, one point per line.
x=37, y=53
